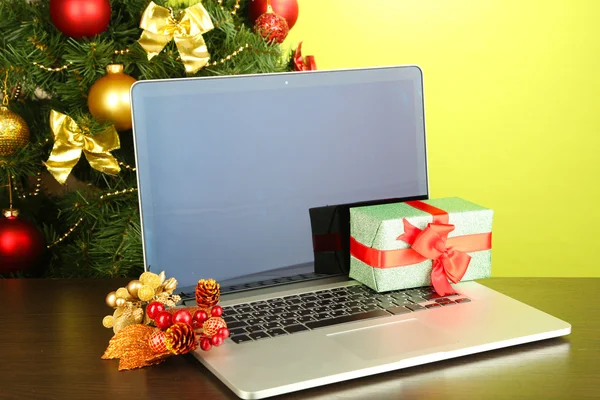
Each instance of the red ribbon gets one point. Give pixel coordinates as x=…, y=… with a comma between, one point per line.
x=430, y=242
x=303, y=63
x=450, y=261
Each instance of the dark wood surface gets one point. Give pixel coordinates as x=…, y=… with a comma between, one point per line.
x=51, y=340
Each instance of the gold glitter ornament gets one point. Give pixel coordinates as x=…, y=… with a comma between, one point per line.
x=111, y=299
x=14, y=132
x=150, y=279
x=109, y=98
x=122, y=293
x=146, y=293
x=108, y=321
x=133, y=287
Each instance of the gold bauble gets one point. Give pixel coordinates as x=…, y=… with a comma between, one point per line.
x=133, y=287
x=146, y=293
x=108, y=321
x=111, y=299
x=14, y=132
x=120, y=302
x=122, y=293
x=150, y=279
x=109, y=98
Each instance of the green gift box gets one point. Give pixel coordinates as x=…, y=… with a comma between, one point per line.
x=420, y=243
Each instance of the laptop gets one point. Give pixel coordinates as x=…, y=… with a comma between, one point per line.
x=249, y=179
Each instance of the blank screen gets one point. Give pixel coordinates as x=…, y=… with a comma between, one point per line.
x=229, y=167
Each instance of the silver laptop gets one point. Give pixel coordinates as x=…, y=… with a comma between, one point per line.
x=249, y=179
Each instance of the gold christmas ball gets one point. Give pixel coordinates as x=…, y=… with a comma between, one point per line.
x=133, y=287
x=14, y=132
x=120, y=302
x=109, y=98
x=122, y=293
x=146, y=293
x=111, y=299
x=108, y=321
x=150, y=279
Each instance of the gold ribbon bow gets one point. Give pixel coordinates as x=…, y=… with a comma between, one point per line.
x=160, y=27
x=70, y=141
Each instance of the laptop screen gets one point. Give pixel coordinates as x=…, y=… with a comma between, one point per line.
x=233, y=170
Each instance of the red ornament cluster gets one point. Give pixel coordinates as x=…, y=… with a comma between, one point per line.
x=211, y=330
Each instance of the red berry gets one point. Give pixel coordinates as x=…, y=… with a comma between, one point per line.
x=182, y=316
x=216, y=311
x=163, y=320
x=154, y=308
x=216, y=340
x=205, y=344
x=200, y=316
x=224, y=333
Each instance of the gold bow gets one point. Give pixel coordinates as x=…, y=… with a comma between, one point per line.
x=160, y=26
x=70, y=141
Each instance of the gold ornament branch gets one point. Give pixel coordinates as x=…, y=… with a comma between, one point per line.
x=66, y=235
x=160, y=27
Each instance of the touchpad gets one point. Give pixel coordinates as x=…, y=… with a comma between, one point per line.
x=395, y=338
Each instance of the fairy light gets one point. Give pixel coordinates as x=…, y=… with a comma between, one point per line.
x=50, y=69
x=236, y=7
x=117, y=193
x=127, y=166
x=122, y=52
x=66, y=235
x=36, y=191
x=229, y=57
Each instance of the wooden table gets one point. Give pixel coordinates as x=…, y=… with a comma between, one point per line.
x=51, y=340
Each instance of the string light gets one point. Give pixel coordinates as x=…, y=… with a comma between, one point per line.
x=117, y=193
x=236, y=7
x=63, y=237
x=126, y=166
x=122, y=52
x=50, y=69
x=229, y=57
x=36, y=191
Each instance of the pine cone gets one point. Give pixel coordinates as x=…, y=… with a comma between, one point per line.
x=207, y=293
x=180, y=339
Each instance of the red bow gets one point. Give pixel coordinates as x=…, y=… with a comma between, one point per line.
x=431, y=243
x=303, y=63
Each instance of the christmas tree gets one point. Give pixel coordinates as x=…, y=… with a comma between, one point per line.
x=66, y=148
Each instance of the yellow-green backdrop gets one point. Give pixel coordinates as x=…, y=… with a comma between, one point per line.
x=512, y=108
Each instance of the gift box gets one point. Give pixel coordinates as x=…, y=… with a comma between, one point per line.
x=420, y=243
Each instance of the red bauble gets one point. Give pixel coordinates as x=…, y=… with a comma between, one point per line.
x=288, y=9
x=154, y=308
x=21, y=245
x=272, y=27
x=200, y=316
x=216, y=311
x=216, y=340
x=182, y=316
x=223, y=332
x=79, y=18
x=163, y=320
x=205, y=344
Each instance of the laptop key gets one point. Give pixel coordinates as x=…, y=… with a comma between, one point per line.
x=258, y=335
x=240, y=338
x=415, y=307
x=229, y=310
x=254, y=321
x=398, y=310
x=237, y=331
x=433, y=305
x=464, y=300
x=320, y=309
x=271, y=325
x=270, y=318
x=276, y=332
x=253, y=328
x=323, y=315
x=236, y=324
x=295, y=328
x=305, y=318
x=338, y=313
x=448, y=303
x=356, y=310
x=289, y=321
x=337, y=306
x=229, y=318
x=304, y=312
x=346, y=318
x=293, y=308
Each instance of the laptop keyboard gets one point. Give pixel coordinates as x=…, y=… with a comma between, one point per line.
x=313, y=310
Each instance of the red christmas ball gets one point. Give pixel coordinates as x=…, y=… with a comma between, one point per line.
x=288, y=9
x=154, y=308
x=21, y=245
x=272, y=27
x=79, y=18
x=216, y=311
x=223, y=332
x=163, y=320
x=205, y=344
x=182, y=316
x=216, y=340
x=200, y=316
